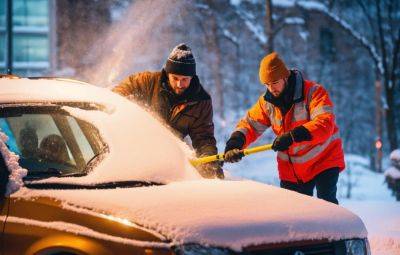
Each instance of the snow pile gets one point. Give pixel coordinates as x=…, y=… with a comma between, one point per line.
x=356, y=180
x=232, y=214
x=16, y=172
x=394, y=171
x=395, y=156
x=383, y=223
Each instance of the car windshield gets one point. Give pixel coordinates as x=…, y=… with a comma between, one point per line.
x=49, y=141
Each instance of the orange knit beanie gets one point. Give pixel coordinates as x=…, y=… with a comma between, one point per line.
x=272, y=68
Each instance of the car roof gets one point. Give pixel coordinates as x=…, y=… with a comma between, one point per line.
x=14, y=90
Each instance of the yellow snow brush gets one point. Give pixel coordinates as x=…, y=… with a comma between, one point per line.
x=220, y=157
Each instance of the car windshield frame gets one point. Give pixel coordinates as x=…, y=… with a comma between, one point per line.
x=55, y=110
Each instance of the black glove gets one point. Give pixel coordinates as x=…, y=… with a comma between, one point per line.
x=298, y=134
x=282, y=142
x=211, y=170
x=233, y=147
x=233, y=156
x=301, y=134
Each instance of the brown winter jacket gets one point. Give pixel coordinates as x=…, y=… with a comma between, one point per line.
x=188, y=114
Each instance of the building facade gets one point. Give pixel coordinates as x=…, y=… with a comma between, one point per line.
x=33, y=37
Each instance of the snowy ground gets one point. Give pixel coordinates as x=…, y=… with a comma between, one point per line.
x=360, y=190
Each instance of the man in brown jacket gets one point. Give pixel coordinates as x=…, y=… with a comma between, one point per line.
x=177, y=97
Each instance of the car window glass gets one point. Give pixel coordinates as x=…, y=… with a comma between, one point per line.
x=38, y=136
x=49, y=143
x=87, y=150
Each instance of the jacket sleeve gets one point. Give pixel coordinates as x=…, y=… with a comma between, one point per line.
x=201, y=131
x=255, y=122
x=322, y=118
x=135, y=85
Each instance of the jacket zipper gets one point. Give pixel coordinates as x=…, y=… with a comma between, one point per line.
x=290, y=160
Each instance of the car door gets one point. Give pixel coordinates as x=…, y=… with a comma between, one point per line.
x=49, y=143
x=3, y=199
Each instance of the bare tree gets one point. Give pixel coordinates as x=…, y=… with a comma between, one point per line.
x=211, y=30
x=378, y=31
x=275, y=22
x=269, y=26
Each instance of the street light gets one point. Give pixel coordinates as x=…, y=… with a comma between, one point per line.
x=378, y=144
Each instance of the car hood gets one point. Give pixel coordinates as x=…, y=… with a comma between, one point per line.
x=233, y=214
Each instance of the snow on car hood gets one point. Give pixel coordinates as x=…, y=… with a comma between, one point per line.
x=140, y=147
x=232, y=214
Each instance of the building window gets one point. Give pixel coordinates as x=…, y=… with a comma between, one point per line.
x=31, y=37
x=2, y=13
x=327, y=45
x=31, y=13
x=31, y=48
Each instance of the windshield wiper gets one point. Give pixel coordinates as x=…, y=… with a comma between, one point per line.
x=96, y=158
x=52, y=172
x=105, y=185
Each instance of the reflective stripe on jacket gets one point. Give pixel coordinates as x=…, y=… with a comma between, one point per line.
x=313, y=109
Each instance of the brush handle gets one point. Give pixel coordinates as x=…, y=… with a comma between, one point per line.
x=220, y=156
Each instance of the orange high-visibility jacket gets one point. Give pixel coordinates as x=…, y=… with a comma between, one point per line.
x=313, y=109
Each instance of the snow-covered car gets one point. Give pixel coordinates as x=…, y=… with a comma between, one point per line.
x=85, y=171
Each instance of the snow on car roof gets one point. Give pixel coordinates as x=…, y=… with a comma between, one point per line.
x=140, y=147
x=233, y=214
x=42, y=90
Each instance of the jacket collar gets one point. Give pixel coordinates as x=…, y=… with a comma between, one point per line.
x=293, y=91
x=298, y=86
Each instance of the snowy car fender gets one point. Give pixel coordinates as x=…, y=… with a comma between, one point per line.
x=74, y=244
x=53, y=227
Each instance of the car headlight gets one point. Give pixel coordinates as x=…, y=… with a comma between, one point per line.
x=357, y=247
x=196, y=249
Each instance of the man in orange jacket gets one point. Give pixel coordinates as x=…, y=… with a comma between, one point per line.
x=300, y=113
